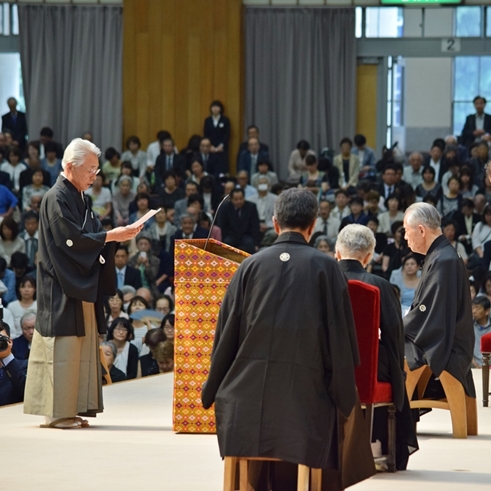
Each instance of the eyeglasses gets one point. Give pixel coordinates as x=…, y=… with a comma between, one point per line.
x=93, y=172
x=121, y=329
x=164, y=310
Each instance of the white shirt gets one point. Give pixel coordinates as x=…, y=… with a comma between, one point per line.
x=337, y=213
x=153, y=151
x=436, y=166
x=333, y=225
x=13, y=172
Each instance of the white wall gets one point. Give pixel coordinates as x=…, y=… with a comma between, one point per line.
x=10, y=80
x=427, y=101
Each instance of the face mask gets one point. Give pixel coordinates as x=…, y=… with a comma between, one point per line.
x=262, y=187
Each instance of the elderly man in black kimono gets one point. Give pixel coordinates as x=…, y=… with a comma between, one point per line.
x=75, y=270
x=355, y=246
x=282, y=370
x=438, y=328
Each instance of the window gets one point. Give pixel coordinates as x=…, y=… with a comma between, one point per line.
x=395, y=78
x=9, y=20
x=488, y=17
x=468, y=21
x=472, y=76
x=384, y=22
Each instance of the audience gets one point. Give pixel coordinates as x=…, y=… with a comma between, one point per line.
x=121, y=333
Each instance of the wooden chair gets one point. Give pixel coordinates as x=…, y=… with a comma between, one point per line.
x=486, y=353
x=308, y=479
x=463, y=409
x=365, y=301
x=105, y=375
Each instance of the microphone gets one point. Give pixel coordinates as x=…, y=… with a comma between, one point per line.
x=225, y=198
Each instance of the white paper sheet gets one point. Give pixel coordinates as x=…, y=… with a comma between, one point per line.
x=144, y=218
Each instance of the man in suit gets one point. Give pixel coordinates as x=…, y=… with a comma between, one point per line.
x=181, y=205
x=252, y=132
x=249, y=158
x=239, y=222
x=366, y=156
x=211, y=162
x=12, y=372
x=22, y=345
x=325, y=224
x=189, y=229
x=125, y=274
x=264, y=202
x=435, y=160
x=15, y=122
x=169, y=160
x=46, y=135
x=388, y=185
x=466, y=219
x=477, y=126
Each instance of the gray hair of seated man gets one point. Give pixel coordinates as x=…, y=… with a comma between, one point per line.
x=128, y=289
x=423, y=214
x=112, y=346
x=355, y=240
x=29, y=315
x=124, y=178
x=77, y=150
x=264, y=179
x=187, y=215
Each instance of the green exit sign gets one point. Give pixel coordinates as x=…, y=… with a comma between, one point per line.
x=419, y=2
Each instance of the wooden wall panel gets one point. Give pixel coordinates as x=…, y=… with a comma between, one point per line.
x=178, y=56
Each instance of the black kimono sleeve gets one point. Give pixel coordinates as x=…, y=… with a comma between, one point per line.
x=430, y=324
x=227, y=340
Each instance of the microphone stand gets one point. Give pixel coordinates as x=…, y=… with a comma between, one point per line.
x=226, y=197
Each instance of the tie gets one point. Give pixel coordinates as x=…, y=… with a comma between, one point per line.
x=32, y=245
x=1, y=372
x=390, y=191
x=325, y=228
x=169, y=162
x=120, y=280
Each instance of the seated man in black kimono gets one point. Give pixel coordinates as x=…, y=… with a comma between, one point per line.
x=282, y=369
x=439, y=330
x=354, y=250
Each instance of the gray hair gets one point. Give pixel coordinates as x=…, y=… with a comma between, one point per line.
x=264, y=178
x=423, y=214
x=355, y=240
x=30, y=314
x=112, y=346
x=128, y=289
x=124, y=178
x=187, y=215
x=321, y=238
x=77, y=150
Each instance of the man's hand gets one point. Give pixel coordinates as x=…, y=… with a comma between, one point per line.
x=122, y=234
x=478, y=132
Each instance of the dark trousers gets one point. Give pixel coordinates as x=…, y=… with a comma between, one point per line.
x=245, y=243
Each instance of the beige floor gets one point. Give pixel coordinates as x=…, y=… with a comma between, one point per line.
x=132, y=447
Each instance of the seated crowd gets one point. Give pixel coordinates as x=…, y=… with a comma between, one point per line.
x=189, y=185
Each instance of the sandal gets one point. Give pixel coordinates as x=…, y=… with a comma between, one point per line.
x=83, y=422
x=64, y=424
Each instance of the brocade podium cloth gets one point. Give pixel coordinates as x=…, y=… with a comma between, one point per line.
x=201, y=279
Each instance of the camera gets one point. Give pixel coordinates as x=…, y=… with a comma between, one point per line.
x=4, y=343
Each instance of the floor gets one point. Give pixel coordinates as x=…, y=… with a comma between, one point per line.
x=131, y=446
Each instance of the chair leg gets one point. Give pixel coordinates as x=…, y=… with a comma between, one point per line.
x=412, y=379
x=229, y=474
x=471, y=414
x=315, y=479
x=485, y=379
x=391, y=462
x=456, y=403
x=303, y=477
x=369, y=420
x=244, y=476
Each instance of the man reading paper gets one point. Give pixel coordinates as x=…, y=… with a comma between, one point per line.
x=75, y=269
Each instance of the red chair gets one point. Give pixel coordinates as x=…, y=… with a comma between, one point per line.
x=486, y=353
x=365, y=301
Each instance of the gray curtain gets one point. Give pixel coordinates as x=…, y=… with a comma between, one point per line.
x=300, y=77
x=71, y=61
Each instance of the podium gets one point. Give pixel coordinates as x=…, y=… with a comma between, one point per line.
x=200, y=281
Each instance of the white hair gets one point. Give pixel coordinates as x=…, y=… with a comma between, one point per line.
x=355, y=240
x=423, y=214
x=30, y=314
x=77, y=151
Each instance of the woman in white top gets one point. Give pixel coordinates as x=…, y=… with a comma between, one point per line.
x=482, y=232
x=121, y=334
x=393, y=214
x=137, y=157
x=27, y=302
x=297, y=164
x=10, y=241
x=101, y=197
x=14, y=166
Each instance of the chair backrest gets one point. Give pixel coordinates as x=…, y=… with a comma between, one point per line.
x=365, y=301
